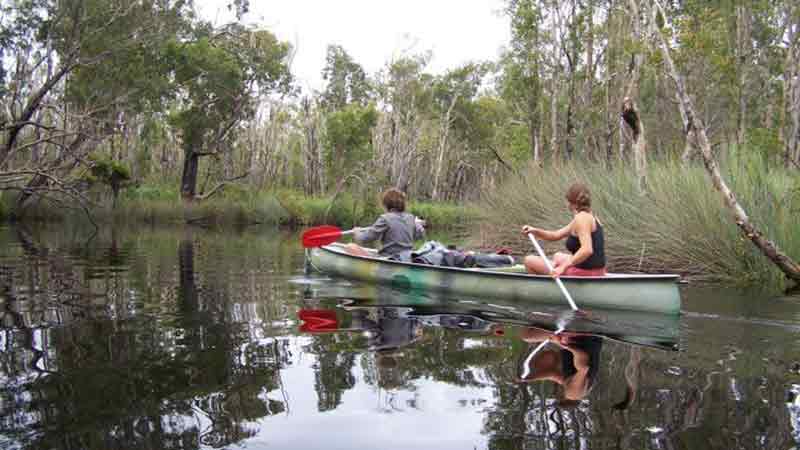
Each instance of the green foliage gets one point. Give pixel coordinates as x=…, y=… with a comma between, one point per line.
x=222, y=75
x=444, y=215
x=345, y=210
x=458, y=88
x=106, y=171
x=349, y=137
x=130, y=67
x=346, y=81
x=152, y=192
x=407, y=87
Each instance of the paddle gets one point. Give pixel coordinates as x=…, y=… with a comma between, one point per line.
x=561, y=325
x=323, y=235
x=550, y=268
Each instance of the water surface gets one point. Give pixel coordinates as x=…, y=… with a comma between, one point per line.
x=182, y=339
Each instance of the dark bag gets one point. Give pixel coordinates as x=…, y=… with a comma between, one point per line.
x=436, y=254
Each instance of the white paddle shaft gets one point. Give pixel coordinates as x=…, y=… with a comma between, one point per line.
x=550, y=268
x=526, y=371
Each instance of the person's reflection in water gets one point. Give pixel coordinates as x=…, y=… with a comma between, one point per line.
x=572, y=362
x=387, y=334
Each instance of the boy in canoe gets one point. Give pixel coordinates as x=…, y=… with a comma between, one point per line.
x=396, y=229
x=585, y=240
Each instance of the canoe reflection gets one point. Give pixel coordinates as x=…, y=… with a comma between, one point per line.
x=492, y=316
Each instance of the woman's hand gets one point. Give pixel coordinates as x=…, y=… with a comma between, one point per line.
x=527, y=229
x=558, y=271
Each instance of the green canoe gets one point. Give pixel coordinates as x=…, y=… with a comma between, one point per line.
x=650, y=293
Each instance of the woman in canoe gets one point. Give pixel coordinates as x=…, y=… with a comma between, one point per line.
x=585, y=240
x=396, y=229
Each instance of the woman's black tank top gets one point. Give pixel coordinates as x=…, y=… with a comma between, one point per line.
x=598, y=258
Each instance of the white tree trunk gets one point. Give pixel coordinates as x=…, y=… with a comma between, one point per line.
x=630, y=113
x=446, y=122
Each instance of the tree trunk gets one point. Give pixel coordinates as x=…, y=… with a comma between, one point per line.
x=191, y=163
x=631, y=118
x=609, y=126
x=442, y=146
x=742, y=43
x=792, y=104
x=696, y=135
x=554, y=119
x=630, y=113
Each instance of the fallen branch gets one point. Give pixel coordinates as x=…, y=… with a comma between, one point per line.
x=219, y=186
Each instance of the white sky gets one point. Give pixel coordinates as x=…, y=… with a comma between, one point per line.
x=374, y=32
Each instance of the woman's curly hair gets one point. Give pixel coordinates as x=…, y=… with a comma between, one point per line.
x=578, y=195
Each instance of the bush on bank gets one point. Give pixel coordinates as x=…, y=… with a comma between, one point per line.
x=238, y=206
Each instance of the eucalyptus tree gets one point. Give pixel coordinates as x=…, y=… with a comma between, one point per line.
x=221, y=76
x=69, y=70
x=404, y=93
x=521, y=68
x=350, y=116
x=348, y=139
x=454, y=96
x=790, y=129
x=346, y=81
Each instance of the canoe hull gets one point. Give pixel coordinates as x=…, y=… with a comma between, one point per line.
x=651, y=293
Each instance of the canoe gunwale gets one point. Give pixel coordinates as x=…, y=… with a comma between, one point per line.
x=338, y=251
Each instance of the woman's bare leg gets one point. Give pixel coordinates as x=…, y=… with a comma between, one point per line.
x=355, y=249
x=535, y=264
x=560, y=258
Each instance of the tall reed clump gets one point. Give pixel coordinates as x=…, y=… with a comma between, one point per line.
x=680, y=225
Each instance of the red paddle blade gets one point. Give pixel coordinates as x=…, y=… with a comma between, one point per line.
x=321, y=235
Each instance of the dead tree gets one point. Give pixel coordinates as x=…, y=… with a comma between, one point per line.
x=633, y=122
x=791, y=99
x=696, y=136
x=630, y=113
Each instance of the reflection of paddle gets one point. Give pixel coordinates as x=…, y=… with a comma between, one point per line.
x=550, y=268
x=318, y=320
x=323, y=235
x=561, y=324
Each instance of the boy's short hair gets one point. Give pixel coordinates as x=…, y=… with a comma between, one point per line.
x=394, y=200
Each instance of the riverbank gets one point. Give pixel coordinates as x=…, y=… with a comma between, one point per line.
x=238, y=206
x=679, y=225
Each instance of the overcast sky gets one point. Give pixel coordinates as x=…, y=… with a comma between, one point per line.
x=375, y=31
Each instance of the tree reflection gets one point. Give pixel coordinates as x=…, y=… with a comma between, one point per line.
x=174, y=381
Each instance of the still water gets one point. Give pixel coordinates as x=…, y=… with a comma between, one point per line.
x=181, y=339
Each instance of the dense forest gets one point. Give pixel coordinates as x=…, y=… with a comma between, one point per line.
x=145, y=99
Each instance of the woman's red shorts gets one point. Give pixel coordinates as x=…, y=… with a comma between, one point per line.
x=573, y=271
